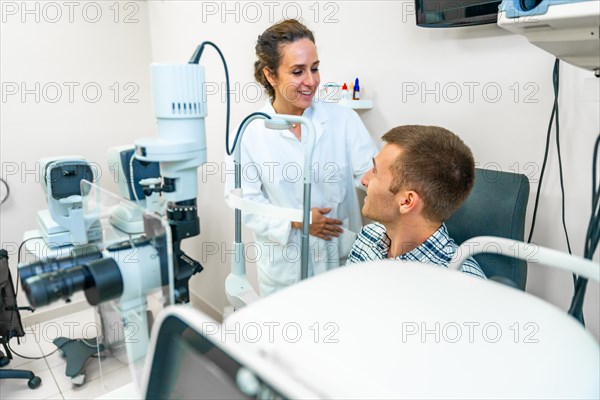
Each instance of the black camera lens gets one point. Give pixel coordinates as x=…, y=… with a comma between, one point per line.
x=100, y=279
x=79, y=255
x=47, y=288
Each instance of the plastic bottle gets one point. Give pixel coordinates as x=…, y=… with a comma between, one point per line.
x=356, y=92
x=344, y=92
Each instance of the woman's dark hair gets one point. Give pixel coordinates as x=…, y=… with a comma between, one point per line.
x=268, y=48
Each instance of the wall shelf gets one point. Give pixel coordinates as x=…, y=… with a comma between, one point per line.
x=357, y=104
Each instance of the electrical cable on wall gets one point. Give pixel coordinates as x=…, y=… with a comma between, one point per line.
x=553, y=114
x=546, y=152
x=553, y=118
x=6, y=192
x=555, y=82
x=591, y=239
x=579, y=284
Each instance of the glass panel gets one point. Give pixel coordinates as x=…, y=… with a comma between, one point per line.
x=143, y=263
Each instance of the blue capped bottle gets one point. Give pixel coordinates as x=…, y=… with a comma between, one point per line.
x=356, y=91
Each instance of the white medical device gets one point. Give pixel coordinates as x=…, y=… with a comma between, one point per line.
x=414, y=331
x=180, y=106
x=180, y=147
x=128, y=271
x=568, y=29
x=135, y=178
x=237, y=288
x=527, y=252
x=64, y=222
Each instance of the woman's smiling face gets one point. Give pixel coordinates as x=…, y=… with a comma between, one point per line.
x=297, y=78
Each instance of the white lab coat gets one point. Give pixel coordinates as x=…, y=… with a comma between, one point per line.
x=272, y=164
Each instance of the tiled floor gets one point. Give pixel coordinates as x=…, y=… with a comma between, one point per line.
x=102, y=375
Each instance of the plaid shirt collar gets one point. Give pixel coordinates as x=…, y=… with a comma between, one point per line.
x=433, y=249
x=373, y=243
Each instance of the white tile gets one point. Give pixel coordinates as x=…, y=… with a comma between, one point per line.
x=74, y=326
x=62, y=380
x=56, y=360
x=27, y=347
x=47, y=349
x=36, y=366
x=18, y=389
x=39, y=341
x=99, y=387
x=57, y=396
x=92, y=371
x=129, y=391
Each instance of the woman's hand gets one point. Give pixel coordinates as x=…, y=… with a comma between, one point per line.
x=322, y=227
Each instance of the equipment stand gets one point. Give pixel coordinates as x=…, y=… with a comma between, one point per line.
x=77, y=352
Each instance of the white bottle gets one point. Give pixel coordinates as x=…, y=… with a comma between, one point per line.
x=344, y=92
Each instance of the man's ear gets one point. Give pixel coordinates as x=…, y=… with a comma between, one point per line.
x=270, y=76
x=408, y=201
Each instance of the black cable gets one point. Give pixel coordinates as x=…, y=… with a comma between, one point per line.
x=21, y=247
x=42, y=356
x=579, y=284
x=555, y=85
x=555, y=81
x=593, y=231
x=83, y=340
x=239, y=131
x=19, y=262
x=591, y=241
x=7, y=191
x=546, y=152
x=537, y=195
x=195, y=60
x=594, y=236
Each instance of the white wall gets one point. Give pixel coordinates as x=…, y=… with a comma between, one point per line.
x=85, y=45
x=380, y=43
x=376, y=41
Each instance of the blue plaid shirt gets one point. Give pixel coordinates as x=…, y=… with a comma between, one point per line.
x=373, y=243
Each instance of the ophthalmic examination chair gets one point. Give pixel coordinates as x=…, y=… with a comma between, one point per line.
x=496, y=206
x=10, y=325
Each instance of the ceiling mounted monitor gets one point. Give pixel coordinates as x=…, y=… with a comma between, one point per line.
x=452, y=13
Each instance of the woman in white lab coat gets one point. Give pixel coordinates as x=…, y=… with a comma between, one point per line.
x=272, y=162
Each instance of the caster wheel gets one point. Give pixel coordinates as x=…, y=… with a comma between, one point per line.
x=4, y=361
x=78, y=380
x=34, y=382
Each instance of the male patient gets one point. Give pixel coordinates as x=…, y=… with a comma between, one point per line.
x=420, y=177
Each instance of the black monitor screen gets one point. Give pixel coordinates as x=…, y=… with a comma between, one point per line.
x=198, y=376
x=451, y=13
x=187, y=365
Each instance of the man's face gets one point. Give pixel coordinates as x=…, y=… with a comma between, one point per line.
x=381, y=205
